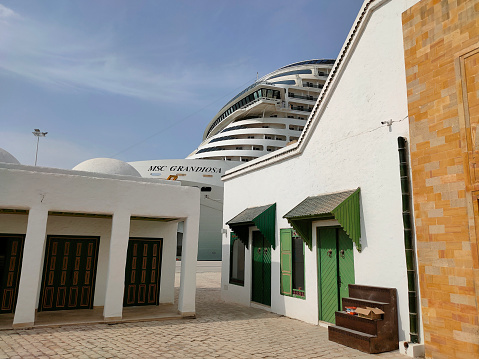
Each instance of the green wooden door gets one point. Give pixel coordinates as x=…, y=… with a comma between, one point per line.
x=11, y=254
x=261, y=270
x=142, y=272
x=335, y=270
x=69, y=273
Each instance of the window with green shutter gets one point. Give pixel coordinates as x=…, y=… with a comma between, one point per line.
x=292, y=263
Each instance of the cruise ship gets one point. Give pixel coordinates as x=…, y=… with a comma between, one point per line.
x=265, y=116
x=262, y=118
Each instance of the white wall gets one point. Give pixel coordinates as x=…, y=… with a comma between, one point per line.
x=347, y=147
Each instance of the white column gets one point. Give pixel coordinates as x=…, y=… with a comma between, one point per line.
x=31, y=274
x=168, y=264
x=189, y=253
x=120, y=233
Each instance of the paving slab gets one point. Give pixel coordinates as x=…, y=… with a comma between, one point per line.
x=221, y=330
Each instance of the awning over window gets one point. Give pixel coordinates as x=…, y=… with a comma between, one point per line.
x=342, y=206
x=263, y=217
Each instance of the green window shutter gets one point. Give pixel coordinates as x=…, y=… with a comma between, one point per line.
x=286, y=261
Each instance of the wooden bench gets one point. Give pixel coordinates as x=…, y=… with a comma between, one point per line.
x=370, y=336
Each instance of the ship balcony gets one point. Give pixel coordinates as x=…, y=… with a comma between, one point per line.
x=246, y=152
x=301, y=108
x=313, y=85
x=292, y=95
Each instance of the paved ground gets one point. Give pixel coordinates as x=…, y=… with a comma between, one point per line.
x=220, y=331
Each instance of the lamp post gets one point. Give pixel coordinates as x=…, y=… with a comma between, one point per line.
x=38, y=134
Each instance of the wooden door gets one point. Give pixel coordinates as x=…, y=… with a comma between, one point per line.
x=142, y=272
x=11, y=255
x=261, y=270
x=335, y=270
x=69, y=273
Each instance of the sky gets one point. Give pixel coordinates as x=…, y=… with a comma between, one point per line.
x=140, y=80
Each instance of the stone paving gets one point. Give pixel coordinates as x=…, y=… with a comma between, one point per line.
x=221, y=330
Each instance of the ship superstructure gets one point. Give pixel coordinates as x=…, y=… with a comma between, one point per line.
x=265, y=116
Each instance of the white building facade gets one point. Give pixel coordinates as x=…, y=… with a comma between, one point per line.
x=82, y=240
x=347, y=154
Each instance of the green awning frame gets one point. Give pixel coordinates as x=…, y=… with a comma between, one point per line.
x=342, y=206
x=263, y=217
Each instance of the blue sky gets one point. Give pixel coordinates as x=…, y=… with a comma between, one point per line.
x=140, y=80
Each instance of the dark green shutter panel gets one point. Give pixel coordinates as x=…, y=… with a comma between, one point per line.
x=286, y=261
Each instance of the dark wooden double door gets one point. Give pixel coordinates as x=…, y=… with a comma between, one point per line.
x=69, y=273
x=11, y=255
x=142, y=272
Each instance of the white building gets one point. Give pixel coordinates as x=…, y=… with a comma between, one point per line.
x=74, y=239
x=346, y=156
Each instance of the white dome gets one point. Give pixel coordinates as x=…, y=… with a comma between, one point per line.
x=6, y=157
x=109, y=166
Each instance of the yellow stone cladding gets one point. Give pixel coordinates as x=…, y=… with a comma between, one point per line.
x=441, y=49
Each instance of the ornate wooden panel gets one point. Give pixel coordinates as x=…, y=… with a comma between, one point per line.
x=11, y=254
x=261, y=281
x=69, y=273
x=142, y=272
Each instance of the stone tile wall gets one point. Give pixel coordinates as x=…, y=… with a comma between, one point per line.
x=441, y=48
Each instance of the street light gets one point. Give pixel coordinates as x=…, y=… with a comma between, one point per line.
x=38, y=134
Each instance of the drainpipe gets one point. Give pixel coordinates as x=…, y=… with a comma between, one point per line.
x=408, y=239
